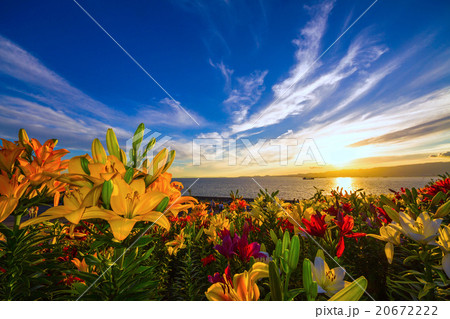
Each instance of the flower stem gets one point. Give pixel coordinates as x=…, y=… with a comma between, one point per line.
x=17, y=219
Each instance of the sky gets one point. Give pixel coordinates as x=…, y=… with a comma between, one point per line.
x=237, y=88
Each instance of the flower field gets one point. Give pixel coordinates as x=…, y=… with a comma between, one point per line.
x=114, y=226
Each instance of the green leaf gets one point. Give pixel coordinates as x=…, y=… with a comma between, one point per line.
x=387, y=201
x=426, y=289
x=92, y=260
x=352, y=292
x=273, y=236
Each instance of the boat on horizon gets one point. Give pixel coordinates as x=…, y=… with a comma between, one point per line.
x=308, y=178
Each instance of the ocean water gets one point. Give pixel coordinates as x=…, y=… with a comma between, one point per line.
x=297, y=187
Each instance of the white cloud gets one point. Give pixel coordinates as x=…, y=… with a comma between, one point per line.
x=308, y=92
x=225, y=71
x=245, y=95
x=49, y=106
x=21, y=65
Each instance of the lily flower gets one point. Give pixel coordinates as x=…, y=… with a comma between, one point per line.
x=76, y=202
x=422, y=230
x=391, y=236
x=444, y=243
x=45, y=161
x=11, y=190
x=175, y=245
x=177, y=203
x=130, y=204
x=9, y=152
x=82, y=266
x=227, y=248
x=246, y=250
x=242, y=288
x=345, y=224
x=316, y=226
x=329, y=281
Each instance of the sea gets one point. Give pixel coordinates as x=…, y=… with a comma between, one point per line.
x=296, y=187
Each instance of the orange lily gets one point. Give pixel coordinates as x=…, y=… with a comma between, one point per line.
x=46, y=161
x=177, y=203
x=9, y=152
x=11, y=190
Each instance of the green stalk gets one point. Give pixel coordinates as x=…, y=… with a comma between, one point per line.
x=286, y=284
x=17, y=219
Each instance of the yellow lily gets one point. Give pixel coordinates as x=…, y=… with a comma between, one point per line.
x=11, y=190
x=391, y=236
x=175, y=245
x=217, y=223
x=444, y=242
x=130, y=204
x=76, y=201
x=98, y=171
x=422, y=230
x=329, y=281
x=242, y=288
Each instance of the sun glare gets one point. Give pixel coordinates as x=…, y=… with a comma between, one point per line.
x=346, y=183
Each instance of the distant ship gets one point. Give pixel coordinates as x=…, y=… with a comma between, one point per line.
x=308, y=178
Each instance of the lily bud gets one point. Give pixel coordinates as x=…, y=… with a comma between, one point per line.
x=112, y=144
x=128, y=177
x=162, y=205
x=85, y=165
x=294, y=253
x=352, y=292
x=275, y=282
x=107, y=191
x=98, y=152
x=23, y=137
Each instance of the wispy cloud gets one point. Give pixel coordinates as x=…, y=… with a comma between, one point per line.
x=47, y=85
x=225, y=71
x=409, y=133
x=166, y=113
x=308, y=92
x=246, y=93
x=46, y=104
x=445, y=154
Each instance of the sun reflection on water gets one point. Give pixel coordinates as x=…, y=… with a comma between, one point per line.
x=346, y=183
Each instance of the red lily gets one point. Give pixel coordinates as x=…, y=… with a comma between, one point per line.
x=316, y=226
x=208, y=259
x=345, y=224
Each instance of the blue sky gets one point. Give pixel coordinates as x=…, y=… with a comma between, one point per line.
x=241, y=69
